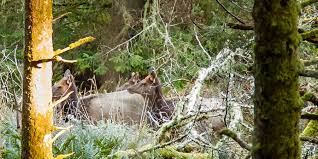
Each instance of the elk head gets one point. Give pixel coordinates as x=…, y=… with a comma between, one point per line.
x=63, y=86
x=150, y=86
x=134, y=79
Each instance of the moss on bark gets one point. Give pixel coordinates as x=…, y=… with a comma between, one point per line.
x=37, y=123
x=277, y=101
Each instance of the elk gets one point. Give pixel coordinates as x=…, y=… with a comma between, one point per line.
x=134, y=79
x=117, y=106
x=162, y=108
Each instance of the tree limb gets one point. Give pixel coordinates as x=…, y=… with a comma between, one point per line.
x=309, y=116
x=74, y=45
x=241, y=26
x=311, y=34
x=233, y=135
x=307, y=3
x=309, y=73
x=310, y=62
x=309, y=139
x=163, y=149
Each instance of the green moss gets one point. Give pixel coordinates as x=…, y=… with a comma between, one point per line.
x=308, y=96
x=277, y=101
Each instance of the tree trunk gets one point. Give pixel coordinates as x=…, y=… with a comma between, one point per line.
x=277, y=102
x=37, y=120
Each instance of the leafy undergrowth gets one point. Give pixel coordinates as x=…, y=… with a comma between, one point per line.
x=85, y=140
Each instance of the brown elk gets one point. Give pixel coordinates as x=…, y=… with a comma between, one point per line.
x=162, y=109
x=134, y=79
x=117, y=106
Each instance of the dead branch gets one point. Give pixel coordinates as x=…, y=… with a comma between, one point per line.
x=309, y=139
x=163, y=149
x=233, y=135
x=221, y=60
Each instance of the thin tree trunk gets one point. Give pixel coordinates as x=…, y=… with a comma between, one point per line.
x=277, y=102
x=37, y=120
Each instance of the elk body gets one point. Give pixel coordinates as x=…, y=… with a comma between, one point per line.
x=117, y=106
x=163, y=109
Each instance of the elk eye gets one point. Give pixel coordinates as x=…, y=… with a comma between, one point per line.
x=59, y=87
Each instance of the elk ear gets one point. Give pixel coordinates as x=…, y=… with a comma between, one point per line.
x=69, y=79
x=67, y=73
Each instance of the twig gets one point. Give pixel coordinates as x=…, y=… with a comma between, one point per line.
x=116, y=47
x=203, y=49
x=60, y=100
x=61, y=16
x=238, y=19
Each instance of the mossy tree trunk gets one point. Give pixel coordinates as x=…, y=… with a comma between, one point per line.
x=277, y=102
x=37, y=120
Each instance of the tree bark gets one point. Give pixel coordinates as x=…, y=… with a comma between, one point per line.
x=37, y=123
x=276, y=68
